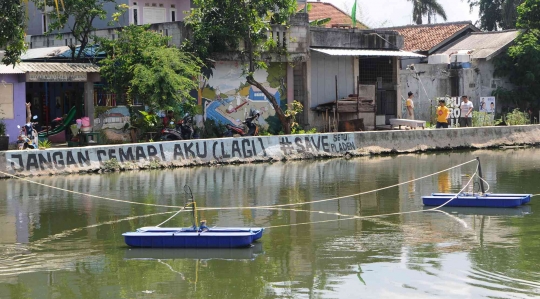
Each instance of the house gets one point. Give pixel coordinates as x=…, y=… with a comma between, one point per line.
x=139, y=13
x=462, y=67
x=321, y=10
x=320, y=61
x=428, y=38
x=12, y=100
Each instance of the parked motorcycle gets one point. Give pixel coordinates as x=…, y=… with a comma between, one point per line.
x=28, y=136
x=182, y=131
x=251, y=128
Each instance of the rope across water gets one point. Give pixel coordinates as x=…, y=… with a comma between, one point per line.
x=238, y=208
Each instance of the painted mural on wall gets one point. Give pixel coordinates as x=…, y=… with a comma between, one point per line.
x=227, y=97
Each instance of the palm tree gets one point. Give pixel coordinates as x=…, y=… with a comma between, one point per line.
x=429, y=8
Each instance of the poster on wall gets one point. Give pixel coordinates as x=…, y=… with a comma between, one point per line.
x=228, y=98
x=487, y=104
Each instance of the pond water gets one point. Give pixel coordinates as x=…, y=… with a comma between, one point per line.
x=63, y=245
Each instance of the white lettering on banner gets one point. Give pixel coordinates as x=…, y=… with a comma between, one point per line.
x=56, y=77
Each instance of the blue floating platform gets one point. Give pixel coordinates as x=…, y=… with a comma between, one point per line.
x=491, y=200
x=176, y=237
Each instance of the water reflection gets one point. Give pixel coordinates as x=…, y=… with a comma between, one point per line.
x=56, y=244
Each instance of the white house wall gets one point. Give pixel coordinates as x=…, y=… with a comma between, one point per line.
x=324, y=69
x=474, y=82
x=429, y=82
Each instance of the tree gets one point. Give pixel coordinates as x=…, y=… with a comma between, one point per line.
x=12, y=18
x=78, y=17
x=522, y=61
x=140, y=63
x=429, y=8
x=496, y=14
x=222, y=25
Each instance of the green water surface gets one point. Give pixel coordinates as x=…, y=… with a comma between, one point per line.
x=55, y=244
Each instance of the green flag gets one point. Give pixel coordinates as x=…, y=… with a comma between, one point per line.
x=353, y=14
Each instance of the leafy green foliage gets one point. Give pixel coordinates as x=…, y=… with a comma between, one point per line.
x=496, y=14
x=481, y=119
x=427, y=8
x=12, y=20
x=2, y=128
x=516, y=117
x=241, y=27
x=211, y=129
x=529, y=15
x=44, y=144
x=83, y=12
x=141, y=63
x=522, y=62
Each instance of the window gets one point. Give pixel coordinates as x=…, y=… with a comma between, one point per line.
x=44, y=22
x=6, y=101
x=153, y=15
x=173, y=15
x=135, y=16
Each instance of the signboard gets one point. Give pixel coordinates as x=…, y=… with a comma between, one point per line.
x=487, y=104
x=56, y=77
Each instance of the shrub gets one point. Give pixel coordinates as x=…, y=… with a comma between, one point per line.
x=2, y=128
x=516, y=117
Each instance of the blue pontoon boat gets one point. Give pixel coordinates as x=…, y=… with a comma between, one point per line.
x=491, y=200
x=195, y=236
x=174, y=237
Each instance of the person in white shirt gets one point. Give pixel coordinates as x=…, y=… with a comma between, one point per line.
x=410, y=106
x=466, y=107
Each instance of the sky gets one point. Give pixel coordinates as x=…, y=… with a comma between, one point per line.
x=389, y=13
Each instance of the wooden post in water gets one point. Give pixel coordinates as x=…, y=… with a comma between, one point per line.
x=480, y=175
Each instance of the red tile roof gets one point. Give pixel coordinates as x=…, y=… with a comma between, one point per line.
x=425, y=37
x=322, y=10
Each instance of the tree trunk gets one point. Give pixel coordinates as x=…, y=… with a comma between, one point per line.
x=282, y=118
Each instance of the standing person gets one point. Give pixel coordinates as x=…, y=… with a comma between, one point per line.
x=28, y=112
x=410, y=106
x=466, y=107
x=168, y=118
x=442, y=115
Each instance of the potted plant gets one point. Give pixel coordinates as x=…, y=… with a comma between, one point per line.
x=4, y=138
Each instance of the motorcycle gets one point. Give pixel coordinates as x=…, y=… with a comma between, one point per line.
x=252, y=128
x=28, y=136
x=182, y=131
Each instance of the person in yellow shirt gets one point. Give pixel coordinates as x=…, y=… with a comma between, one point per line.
x=442, y=115
x=410, y=106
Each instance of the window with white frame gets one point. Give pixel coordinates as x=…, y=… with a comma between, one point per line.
x=173, y=14
x=6, y=101
x=153, y=15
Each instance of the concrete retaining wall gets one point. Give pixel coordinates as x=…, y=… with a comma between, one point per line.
x=257, y=149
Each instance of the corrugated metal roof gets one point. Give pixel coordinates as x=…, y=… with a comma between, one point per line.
x=375, y=53
x=8, y=69
x=58, y=67
x=43, y=52
x=484, y=45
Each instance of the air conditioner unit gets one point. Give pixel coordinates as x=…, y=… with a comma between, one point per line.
x=438, y=59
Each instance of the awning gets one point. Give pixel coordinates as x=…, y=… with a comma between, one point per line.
x=372, y=53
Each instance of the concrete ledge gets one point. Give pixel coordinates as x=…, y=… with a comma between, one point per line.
x=257, y=149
